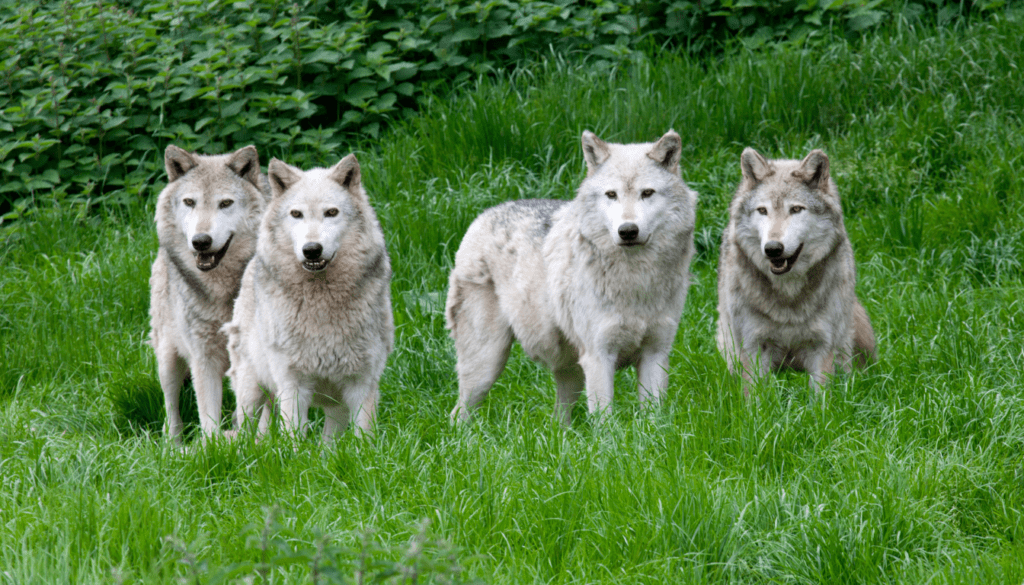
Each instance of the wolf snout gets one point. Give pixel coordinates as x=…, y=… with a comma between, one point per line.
x=202, y=242
x=774, y=249
x=629, y=232
x=312, y=250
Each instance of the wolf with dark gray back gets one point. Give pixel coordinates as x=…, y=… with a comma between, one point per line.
x=786, y=274
x=207, y=218
x=586, y=286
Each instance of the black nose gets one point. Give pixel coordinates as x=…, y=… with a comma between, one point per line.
x=628, y=232
x=312, y=250
x=774, y=249
x=202, y=242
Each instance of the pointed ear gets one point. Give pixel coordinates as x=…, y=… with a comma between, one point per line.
x=754, y=166
x=667, y=150
x=177, y=162
x=346, y=173
x=595, y=151
x=814, y=170
x=245, y=162
x=282, y=176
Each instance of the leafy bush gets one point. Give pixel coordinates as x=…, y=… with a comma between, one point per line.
x=94, y=90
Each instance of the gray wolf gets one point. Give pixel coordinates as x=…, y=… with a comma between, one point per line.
x=786, y=274
x=586, y=286
x=206, y=220
x=313, y=324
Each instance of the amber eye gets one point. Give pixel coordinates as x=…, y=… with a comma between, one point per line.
x=226, y=203
x=331, y=212
x=762, y=210
x=646, y=193
x=189, y=202
x=796, y=209
x=296, y=214
x=611, y=195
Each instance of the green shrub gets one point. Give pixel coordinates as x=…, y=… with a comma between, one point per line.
x=92, y=91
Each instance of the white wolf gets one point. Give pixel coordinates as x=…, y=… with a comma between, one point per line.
x=786, y=273
x=313, y=322
x=206, y=221
x=586, y=286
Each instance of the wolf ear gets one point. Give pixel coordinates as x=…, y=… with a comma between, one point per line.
x=667, y=150
x=595, y=151
x=754, y=166
x=177, y=162
x=282, y=176
x=245, y=162
x=346, y=173
x=814, y=170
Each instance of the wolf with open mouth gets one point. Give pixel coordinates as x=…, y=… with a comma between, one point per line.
x=207, y=219
x=786, y=274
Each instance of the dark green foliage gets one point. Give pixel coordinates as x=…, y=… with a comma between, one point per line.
x=91, y=92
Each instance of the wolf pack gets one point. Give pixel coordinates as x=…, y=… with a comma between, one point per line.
x=281, y=282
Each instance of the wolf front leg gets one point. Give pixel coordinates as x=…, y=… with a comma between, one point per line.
x=208, y=381
x=249, y=396
x=821, y=366
x=366, y=417
x=294, y=398
x=171, y=369
x=652, y=375
x=599, y=370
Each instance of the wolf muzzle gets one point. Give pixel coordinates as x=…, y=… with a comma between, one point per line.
x=206, y=260
x=774, y=251
x=313, y=251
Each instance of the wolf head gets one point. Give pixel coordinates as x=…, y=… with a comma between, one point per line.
x=210, y=199
x=634, y=189
x=313, y=211
x=786, y=213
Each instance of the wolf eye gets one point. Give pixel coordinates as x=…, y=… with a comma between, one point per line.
x=189, y=202
x=331, y=212
x=796, y=209
x=762, y=210
x=611, y=195
x=646, y=193
x=296, y=214
x=226, y=203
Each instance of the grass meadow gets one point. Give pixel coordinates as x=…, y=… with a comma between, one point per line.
x=912, y=471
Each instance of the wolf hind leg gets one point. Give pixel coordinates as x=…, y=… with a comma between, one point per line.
x=569, y=383
x=171, y=369
x=483, y=340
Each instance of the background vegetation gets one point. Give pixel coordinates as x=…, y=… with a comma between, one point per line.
x=93, y=90
x=913, y=472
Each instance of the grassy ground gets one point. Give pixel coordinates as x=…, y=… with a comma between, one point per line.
x=913, y=472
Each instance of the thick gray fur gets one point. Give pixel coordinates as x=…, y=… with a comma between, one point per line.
x=188, y=306
x=798, y=309
x=586, y=286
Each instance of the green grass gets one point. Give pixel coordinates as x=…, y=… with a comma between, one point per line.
x=913, y=472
